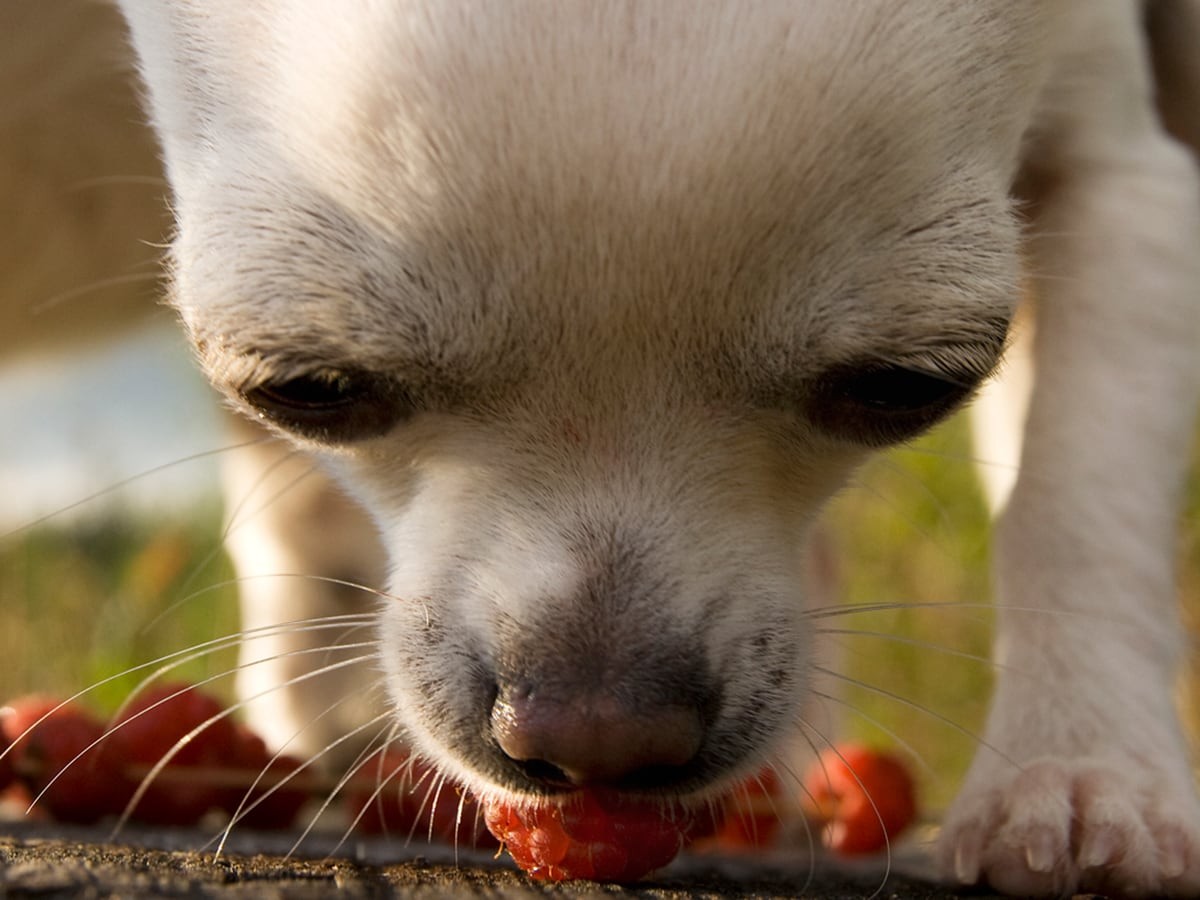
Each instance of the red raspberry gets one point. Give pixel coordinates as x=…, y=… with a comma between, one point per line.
x=81, y=790
x=863, y=798
x=598, y=835
x=411, y=803
x=149, y=729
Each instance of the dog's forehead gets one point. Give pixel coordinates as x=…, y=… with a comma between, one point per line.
x=561, y=113
x=442, y=168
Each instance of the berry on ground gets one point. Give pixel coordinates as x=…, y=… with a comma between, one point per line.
x=44, y=753
x=862, y=798
x=151, y=727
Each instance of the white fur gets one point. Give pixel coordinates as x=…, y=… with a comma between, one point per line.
x=616, y=250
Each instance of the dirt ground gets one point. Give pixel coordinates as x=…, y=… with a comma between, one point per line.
x=38, y=861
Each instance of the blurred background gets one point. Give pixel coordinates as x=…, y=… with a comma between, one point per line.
x=110, y=521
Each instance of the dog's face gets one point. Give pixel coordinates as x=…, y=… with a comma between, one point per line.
x=592, y=315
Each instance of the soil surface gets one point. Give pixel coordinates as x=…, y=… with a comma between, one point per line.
x=39, y=861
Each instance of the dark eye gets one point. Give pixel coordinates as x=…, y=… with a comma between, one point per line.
x=886, y=403
x=331, y=405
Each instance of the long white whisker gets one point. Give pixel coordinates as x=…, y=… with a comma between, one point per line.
x=92, y=287
x=301, y=626
x=875, y=723
x=887, y=872
x=231, y=526
x=125, y=482
x=165, y=760
x=778, y=765
x=242, y=579
x=170, y=661
x=234, y=517
x=351, y=772
x=904, y=701
x=243, y=809
x=381, y=782
x=931, y=646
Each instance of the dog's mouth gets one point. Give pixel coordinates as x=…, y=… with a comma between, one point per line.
x=610, y=833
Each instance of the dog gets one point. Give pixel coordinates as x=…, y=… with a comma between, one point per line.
x=590, y=307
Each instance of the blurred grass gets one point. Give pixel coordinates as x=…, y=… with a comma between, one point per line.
x=82, y=602
x=76, y=602
x=913, y=530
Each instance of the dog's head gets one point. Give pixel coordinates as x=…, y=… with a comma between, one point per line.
x=592, y=306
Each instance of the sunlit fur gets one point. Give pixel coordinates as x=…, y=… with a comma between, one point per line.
x=616, y=254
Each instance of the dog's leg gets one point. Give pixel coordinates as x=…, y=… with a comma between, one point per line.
x=291, y=530
x=1083, y=780
x=998, y=417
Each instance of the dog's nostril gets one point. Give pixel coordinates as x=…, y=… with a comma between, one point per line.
x=595, y=741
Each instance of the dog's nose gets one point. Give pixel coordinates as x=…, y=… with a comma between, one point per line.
x=595, y=740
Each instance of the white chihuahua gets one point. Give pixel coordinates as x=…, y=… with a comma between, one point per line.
x=591, y=305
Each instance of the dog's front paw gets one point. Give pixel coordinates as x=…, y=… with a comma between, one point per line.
x=1062, y=826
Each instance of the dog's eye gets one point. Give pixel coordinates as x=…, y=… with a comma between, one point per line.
x=886, y=403
x=331, y=405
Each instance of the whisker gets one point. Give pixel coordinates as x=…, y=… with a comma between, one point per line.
x=969, y=609
x=907, y=747
x=243, y=809
x=778, y=765
x=125, y=482
x=852, y=609
x=165, y=760
x=240, y=509
x=458, y=817
x=914, y=480
x=351, y=772
x=910, y=704
x=242, y=579
x=954, y=457
x=91, y=287
x=923, y=645
x=887, y=871
x=381, y=781
x=435, y=778
x=176, y=658
x=435, y=788
x=231, y=525
x=300, y=626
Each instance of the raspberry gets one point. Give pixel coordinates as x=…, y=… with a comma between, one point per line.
x=179, y=795
x=44, y=753
x=411, y=803
x=863, y=798
x=598, y=835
